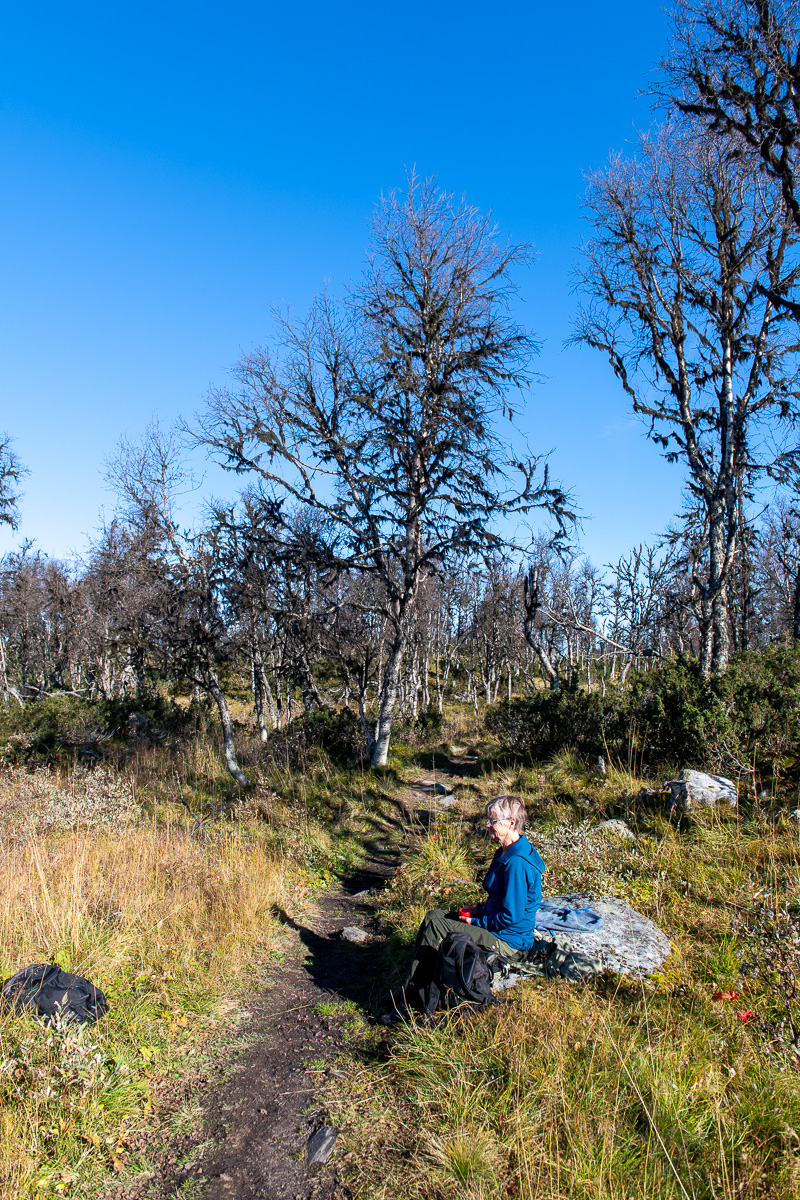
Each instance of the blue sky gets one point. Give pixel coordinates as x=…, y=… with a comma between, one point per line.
x=172, y=170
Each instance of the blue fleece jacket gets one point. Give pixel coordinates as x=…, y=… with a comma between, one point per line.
x=514, y=884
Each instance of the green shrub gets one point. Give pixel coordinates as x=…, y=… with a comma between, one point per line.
x=765, y=688
x=671, y=717
x=546, y=722
x=430, y=722
x=53, y=728
x=336, y=732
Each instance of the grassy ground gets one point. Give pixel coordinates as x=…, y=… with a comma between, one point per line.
x=685, y=1085
x=152, y=875
x=172, y=917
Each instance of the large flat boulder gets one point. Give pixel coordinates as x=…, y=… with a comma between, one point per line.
x=628, y=943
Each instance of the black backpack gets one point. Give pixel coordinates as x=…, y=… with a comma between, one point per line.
x=462, y=974
x=47, y=991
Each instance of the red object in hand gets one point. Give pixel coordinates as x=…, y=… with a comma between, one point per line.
x=463, y=913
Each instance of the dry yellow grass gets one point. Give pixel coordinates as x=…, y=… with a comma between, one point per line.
x=166, y=924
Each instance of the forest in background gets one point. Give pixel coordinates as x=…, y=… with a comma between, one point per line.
x=393, y=544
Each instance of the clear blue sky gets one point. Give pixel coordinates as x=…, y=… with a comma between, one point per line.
x=171, y=170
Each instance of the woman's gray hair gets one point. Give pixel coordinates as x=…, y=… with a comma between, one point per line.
x=510, y=808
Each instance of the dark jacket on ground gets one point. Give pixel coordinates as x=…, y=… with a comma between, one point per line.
x=514, y=884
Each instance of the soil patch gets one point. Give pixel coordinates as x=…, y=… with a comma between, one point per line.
x=257, y=1120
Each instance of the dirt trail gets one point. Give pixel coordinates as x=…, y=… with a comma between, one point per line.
x=258, y=1120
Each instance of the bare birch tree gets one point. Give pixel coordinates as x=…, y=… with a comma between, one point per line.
x=735, y=65
x=688, y=242
x=148, y=477
x=11, y=472
x=381, y=413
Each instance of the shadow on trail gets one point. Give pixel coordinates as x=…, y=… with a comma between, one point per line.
x=466, y=764
x=347, y=970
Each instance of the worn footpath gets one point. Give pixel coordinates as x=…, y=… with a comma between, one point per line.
x=260, y=1119
x=255, y=1120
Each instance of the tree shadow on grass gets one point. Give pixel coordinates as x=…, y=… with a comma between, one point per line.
x=438, y=760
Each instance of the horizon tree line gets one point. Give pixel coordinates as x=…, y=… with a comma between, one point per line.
x=364, y=562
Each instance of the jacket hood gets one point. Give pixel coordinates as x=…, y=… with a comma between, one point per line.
x=523, y=849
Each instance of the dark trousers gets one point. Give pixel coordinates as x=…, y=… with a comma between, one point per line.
x=432, y=932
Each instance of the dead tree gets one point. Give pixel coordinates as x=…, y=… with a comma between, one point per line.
x=11, y=472
x=192, y=631
x=381, y=413
x=776, y=572
x=687, y=242
x=735, y=65
x=561, y=598
x=538, y=624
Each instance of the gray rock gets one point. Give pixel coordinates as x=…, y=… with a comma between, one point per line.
x=696, y=787
x=320, y=1145
x=351, y=933
x=434, y=789
x=628, y=943
x=616, y=826
x=509, y=981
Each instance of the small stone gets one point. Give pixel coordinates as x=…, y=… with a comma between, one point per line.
x=320, y=1145
x=615, y=826
x=509, y=981
x=351, y=933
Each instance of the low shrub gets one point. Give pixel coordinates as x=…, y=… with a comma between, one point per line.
x=53, y=729
x=745, y=720
x=33, y=802
x=336, y=732
x=546, y=722
x=430, y=722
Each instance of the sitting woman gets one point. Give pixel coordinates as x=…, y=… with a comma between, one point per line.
x=504, y=922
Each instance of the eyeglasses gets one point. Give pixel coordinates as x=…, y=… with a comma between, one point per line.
x=497, y=820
